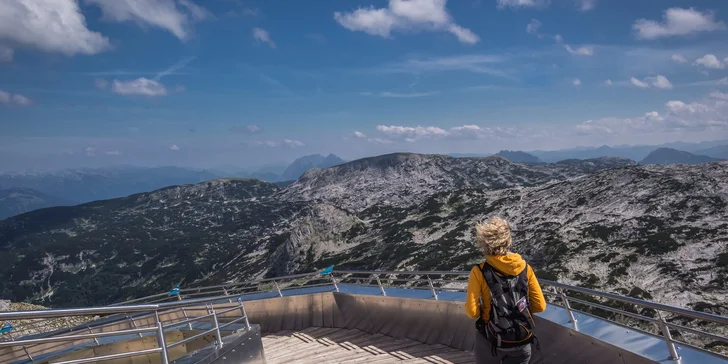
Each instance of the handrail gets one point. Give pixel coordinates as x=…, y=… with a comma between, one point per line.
x=63, y=312
x=158, y=327
x=377, y=279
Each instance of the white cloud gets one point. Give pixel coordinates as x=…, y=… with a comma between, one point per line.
x=678, y=117
x=581, y=51
x=608, y=83
x=140, y=86
x=522, y=3
x=533, y=26
x=719, y=82
x=7, y=98
x=678, y=22
x=261, y=35
x=658, y=81
x=469, y=63
x=412, y=133
x=175, y=16
x=253, y=129
x=90, y=151
x=113, y=152
x=288, y=143
x=586, y=5
x=379, y=141
x=639, y=83
x=359, y=134
x=405, y=15
x=49, y=26
x=399, y=95
x=248, y=129
x=679, y=58
x=101, y=83
x=576, y=82
x=6, y=54
x=719, y=95
x=709, y=61
x=293, y=143
x=173, y=147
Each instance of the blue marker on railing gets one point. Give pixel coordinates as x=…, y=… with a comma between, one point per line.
x=174, y=291
x=327, y=270
x=7, y=327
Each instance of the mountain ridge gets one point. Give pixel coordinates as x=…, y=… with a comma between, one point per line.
x=674, y=156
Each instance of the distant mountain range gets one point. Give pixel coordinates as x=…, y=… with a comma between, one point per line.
x=716, y=149
x=74, y=186
x=674, y=156
x=518, y=156
x=303, y=164
x=14, y=201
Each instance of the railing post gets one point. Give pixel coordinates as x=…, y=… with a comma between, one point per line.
x=211, y=310
x=189, y=324
x=96, y=340
x=333, y=280
x=160, y=339
x=133, y=324
x=280, y=294
x=227, y=294
x=432, y=288
x=380, y=285
x=674, y=356
x=567, y=307
x=24, y=348
x=242, y=309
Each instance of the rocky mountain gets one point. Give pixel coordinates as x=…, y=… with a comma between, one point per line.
x=303, y=164
x=396, y=179
x=518, y=156
x=656, y=232
x=15, y=201
x=84, y=185
x=674, y=156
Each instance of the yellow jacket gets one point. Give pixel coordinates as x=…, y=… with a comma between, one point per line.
x=511, y=264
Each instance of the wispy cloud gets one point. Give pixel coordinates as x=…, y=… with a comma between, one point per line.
x=711, y=61
x=247, y=129
x=7, y=98
x=286, y=143
x=174, y=16
x=399, y=95
x=261, y=35
x=581, y=51
x=515, y=4
x=181, y=64
x=150, y=87
x=139, y=86
x=174, y=147
x=316, y=37
x=482, y=64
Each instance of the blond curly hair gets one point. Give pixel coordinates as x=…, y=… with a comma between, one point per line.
x=494, y=236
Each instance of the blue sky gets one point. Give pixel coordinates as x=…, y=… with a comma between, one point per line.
x=193, y=83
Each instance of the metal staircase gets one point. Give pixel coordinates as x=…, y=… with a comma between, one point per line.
x=357, y=316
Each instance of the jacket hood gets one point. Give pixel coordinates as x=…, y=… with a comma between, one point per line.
x=511, y=264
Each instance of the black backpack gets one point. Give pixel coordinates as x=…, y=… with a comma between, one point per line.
x=510, y=323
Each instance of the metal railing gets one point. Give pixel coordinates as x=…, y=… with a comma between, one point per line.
x=143, y=313
x=572, y=298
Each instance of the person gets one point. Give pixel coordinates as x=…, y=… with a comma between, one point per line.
x=502, y=267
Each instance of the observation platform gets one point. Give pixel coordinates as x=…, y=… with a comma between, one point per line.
x=358, y=317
